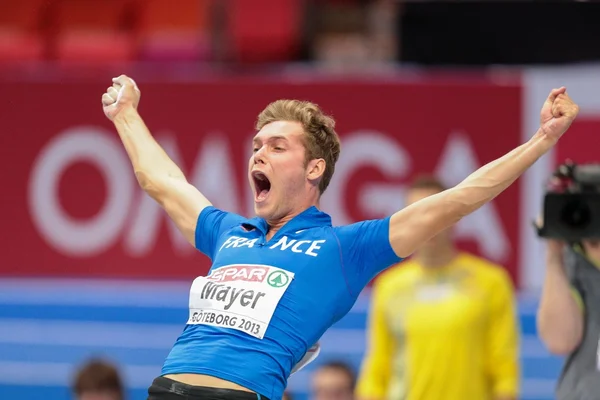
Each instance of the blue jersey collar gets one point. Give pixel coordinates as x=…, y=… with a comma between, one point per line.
x=309, y=218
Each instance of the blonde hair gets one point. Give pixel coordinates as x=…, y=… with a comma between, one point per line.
x=321, y=140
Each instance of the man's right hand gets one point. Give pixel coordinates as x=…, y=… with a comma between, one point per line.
x=156, y=173
x=123, y=94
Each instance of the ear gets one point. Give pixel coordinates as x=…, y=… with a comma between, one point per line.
x=315, y=169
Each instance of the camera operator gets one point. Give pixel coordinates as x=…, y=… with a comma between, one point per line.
x=569, y=313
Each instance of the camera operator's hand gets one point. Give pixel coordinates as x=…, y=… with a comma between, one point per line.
x=558, y=112
x=554, y=247
x=559, y=318
x=555, y=252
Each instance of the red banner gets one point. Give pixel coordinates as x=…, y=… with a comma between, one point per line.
x=73, y=207
x=573, y=145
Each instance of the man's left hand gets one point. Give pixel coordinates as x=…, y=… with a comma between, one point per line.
x=558, y=112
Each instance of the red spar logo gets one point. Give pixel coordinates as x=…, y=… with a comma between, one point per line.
x=248, y=273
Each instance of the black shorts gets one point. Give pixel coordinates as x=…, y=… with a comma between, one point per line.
x=168, y=389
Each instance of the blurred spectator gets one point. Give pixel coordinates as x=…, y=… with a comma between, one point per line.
x=334, y=380
x=98, y=380
x=340, y=41
x=287, y=396
x=354, y=36
x=442, y=325
x=383, y=21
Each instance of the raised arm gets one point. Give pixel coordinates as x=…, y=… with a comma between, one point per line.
x=413, y=225
x=156, y=173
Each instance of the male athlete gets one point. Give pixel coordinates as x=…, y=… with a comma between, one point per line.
x=280, y=280
x=442, y=325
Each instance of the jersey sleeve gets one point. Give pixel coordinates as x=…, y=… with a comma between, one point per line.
x=502, y=338
x=366, y=250
x=376, y=368
x=212, y=223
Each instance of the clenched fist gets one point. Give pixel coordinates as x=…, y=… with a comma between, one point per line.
x=122, y=94
x=558, y=112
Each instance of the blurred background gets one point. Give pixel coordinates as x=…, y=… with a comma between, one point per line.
x=91, y=268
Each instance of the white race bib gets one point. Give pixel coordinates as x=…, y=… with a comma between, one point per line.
x=242, y=297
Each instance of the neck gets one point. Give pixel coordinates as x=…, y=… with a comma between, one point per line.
x=276, y=224
x=435, y=258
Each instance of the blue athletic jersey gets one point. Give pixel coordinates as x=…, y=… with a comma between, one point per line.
x=318, y=270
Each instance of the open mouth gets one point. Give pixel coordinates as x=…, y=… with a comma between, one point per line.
x=262, y=185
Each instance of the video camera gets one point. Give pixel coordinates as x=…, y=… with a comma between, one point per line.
x=572, y=203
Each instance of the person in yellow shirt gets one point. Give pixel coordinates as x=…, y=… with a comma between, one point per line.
x=442, y=325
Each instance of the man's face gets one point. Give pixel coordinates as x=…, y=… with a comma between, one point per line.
x=331, y=384
x=441, y=238
x=592, y=250
x=276, y=168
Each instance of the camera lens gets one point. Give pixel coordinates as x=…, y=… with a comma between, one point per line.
x=576, y=214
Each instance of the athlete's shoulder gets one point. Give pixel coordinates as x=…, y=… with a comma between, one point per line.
x=478, y=262
x=485, y=269
x=213, y=227
x=360, y=228
x=348, y=229
x=398, y=275
x=212, y=212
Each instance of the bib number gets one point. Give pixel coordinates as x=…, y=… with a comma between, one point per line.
x=241, y=297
